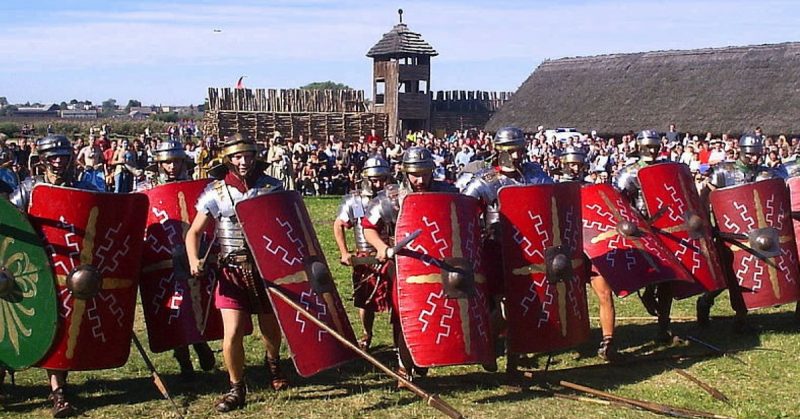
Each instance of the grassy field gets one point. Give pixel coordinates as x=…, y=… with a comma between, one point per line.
x=762, y=382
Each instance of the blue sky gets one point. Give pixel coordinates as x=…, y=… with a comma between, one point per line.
x=167, y=52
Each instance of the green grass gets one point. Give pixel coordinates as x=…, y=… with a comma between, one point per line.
x=765, y=387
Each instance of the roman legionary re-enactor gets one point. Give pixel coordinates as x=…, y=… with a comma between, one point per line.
x=240, y=291
x=96, y=298
x=370, y=281
x=380, y=222
x=174, y=302
x=657, y=299
x=573, y=163
x=750, y=205
x=508, y=167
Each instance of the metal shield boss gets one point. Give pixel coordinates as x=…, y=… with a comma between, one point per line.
x=95, y=244
x=544, y=268
x=754, y=220
x=682, y=224
x=287, y=253
x=177, y=307
x=621, y=246
x=28, y=309
x=441, y=289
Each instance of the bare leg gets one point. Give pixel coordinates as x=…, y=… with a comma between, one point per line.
x=607, y=314
x=605, y=300
x=271, y=334
x=233, y=322
x=367, y=321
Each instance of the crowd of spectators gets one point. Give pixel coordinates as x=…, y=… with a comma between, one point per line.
x=332, y=166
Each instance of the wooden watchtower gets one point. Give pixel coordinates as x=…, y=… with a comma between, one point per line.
x=401, y=74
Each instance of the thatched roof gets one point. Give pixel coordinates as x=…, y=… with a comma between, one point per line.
x=730, y=89
x=401, y=42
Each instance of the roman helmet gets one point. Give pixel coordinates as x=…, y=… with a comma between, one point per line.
x=573, y=163
x=170, y=150
x=509, y=144
x=750, y=145
x=54, y=146
x=509, y=138
x=374, y=167
x=648, y=142
x=233, y=144
x=418, y=160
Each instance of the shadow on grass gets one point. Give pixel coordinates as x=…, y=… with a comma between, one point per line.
x=359, y=377
x=642, y=358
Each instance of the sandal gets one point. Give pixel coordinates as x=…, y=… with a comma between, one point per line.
x=61, y=407
x=277, y=379
x=234, y=399
x=365, y=342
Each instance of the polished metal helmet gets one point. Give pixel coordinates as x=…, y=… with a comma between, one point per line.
x=376, y=166
x=53, y=145
x=169, y=150
x=750, y=143
x=418, y=159
x=237, y=143
x=648, y=138
x=573, y=156
x=509, y=138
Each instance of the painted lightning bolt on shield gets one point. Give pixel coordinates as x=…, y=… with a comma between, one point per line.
x=283, y=242
x=628, y=263
x=759, y=205
x=103, y=230
x=669, y=190
x=173, y=302
x=543, y=315
x=441, y=330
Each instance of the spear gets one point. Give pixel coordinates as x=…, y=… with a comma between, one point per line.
x=162, y=388
x=659, y=408
x=431, y=399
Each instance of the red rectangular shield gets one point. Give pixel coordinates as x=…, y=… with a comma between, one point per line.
x=621, y=245
x=284, y=244
x=103, y=230
x=176, y=305
x=682, y=224
x=753, y=210
x=443, y=322
x=546, y=303
x=794, y=195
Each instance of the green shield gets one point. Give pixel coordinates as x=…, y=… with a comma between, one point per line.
x=28, y=310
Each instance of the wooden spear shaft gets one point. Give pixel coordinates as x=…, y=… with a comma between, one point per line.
x=649, y=406
x=431, y=399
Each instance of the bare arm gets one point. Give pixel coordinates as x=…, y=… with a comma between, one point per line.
x=374, y=239
x=341, y=242
x=193, y=241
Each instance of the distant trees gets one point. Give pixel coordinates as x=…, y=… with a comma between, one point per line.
x=325, y=85
x=133, y=103
x=109, y=106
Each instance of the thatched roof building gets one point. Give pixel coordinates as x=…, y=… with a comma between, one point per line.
x=401, y=42
x=730, y=89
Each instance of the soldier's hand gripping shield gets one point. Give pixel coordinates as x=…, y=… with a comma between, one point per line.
x=682, y=224
x=28, y=309
x=176, y=305
x=287, y=253
x=441, y=292
x=544, y=268
x=754, y=221
x=95, y=245
x=621, y=246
